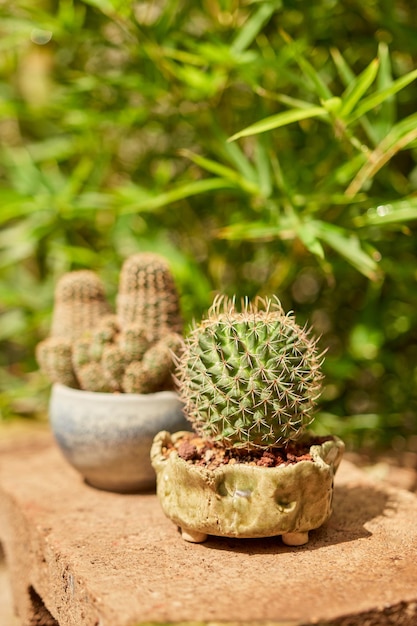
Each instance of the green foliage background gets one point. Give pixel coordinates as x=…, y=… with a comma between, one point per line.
x=115, y=127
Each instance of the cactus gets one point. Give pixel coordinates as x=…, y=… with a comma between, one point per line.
x=91, y=378
x=147, y=295
x=130, y=351
x=134, y=342
x=153, y=372
x=114, y=363
x=79, y=305
x=54, y=356
x=80, y=302
x=249, y=379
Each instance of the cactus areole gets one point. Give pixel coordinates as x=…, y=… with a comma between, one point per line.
x=249, y=378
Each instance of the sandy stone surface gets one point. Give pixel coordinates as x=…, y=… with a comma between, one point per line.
x=7, y=617
x=100, y=559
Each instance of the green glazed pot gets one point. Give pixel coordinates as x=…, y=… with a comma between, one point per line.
x=244, y=500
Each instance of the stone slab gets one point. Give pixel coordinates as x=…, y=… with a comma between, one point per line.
x=82, y=557
x=7, y=617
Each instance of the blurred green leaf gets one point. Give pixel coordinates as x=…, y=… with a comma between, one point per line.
x=108, y=7
x=345, y=72
x=279, y=120
x=254, y=24
x=222, y=171
x=348, y=78
x=399, y=212
x=11, y=323
x=263, y=168
x=386, y=115
x=257, y=231
x=381, y=96
x=365, y=341
x=322, y=91
x=306, y=232
x=327, y=423
x=238, y=158
x=348, y=246
x=357, y=88
x=400, y=137
x=140, y=201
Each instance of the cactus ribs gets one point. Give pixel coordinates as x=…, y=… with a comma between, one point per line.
x=250, y=378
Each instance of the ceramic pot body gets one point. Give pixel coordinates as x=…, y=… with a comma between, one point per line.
x=107, y=437
x=242, y=500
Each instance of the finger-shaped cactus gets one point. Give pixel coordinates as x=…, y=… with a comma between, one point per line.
x=148, y=296
x=249, y=379
x=81, y=352
x=54, y=356
x=154, y=372
x=91, y=378
x=80, y=303
x=133, y=342
x=114, y=363
x=102, y=336
x=97, y=347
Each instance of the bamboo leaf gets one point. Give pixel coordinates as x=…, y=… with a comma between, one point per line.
x=348, y=77
x=399, y=212
x=381, y=95
x=263, y=166
x=306, y=233
x=357, y=88
x=105, y=6
x=281, y=119
x=249, y=31
x=233, y=152
x=322, y=91
x=221, y=170
x=138, y=201
x=15, y=206
x=343, y=68
x=403, y=133
x=349, y=247
x=386, y=114
x=289, y=101
x=257, y=231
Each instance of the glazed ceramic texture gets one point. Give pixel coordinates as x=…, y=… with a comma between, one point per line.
x=107, y=437
x=247, y=501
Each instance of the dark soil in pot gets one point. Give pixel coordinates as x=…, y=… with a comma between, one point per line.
x=203, y=453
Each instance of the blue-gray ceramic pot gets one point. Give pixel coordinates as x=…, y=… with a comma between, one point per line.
x=107, y=437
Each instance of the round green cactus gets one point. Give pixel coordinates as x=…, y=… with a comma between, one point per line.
x=249, y=379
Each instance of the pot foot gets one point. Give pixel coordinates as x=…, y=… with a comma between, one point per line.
x=193, y=536
x=295, y=539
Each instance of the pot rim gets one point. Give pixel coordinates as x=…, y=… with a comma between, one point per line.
x=64, y=390
x=324, y=455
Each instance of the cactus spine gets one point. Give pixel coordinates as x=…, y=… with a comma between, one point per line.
x=249, y=379
x=130, y=351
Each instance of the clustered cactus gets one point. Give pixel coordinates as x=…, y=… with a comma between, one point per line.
x=249, y=379
x=129, y=351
